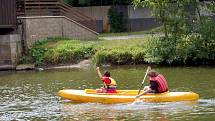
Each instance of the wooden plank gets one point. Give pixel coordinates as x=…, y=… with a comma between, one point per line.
x=72, y=13
x=8, y=12
x=41, y=3
x=41, y=0
x=41, y=7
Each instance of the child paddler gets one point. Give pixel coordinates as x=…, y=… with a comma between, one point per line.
x=109, y=83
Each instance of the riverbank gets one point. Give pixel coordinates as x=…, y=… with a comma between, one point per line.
x=61, y=51
x=122, y=50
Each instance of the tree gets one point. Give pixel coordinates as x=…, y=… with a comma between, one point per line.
x=175, y=15
x=189, y=34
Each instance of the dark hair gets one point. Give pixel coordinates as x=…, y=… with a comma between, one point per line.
x=152, y=73
x=107, y=74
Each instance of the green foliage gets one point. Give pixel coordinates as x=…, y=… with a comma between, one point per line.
x=189, y=36
x=172, y=14
x=211, y=5
x=120, y=52
x=69, y=52
x=55, y=50
x=38, y=51
x=116, y=20
x=158, y=51
x=191, y=49
x=120, y=56
x=59, y=50
x=71, y=2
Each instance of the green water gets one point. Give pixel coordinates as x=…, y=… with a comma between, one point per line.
x=31, y=95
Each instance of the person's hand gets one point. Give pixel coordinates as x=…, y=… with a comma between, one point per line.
x=137, y=96
x=97, y=69
x=149, y=68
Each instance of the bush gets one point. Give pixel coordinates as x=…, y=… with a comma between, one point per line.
x=120, y=56
x=191, y=49
x=38, y=51
x=60, y=50
x=69, y=52
x=160, y=50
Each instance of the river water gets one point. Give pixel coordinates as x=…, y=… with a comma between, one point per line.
x=32, y=95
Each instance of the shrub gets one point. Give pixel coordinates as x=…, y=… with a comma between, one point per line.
x=69, y=51
x=138, y=55
x=191, y=49
x=38, y=52
x=119, y=56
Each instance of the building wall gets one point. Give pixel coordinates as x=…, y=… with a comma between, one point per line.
x=100, y=13
x=138, y=19
x=10, y=49
x=37, y=28
x=141, y=19
x=138, y=13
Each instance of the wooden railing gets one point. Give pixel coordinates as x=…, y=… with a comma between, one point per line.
x=54, y=8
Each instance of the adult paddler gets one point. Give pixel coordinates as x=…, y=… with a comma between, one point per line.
x=157, y=83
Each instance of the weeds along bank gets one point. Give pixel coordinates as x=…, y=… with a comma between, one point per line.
x=152, y=50
x=54, y=51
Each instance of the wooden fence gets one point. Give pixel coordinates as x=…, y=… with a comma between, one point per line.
x=54, y=8
x=8, y=14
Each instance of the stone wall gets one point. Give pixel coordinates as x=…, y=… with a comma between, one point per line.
x=10, y=48
x=41, y=27
x=71, y=29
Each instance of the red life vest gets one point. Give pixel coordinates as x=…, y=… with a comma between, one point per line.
x=162, y=83
x=109, y=84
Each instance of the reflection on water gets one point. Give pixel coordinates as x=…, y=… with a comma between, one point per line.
x=136, y=111
x=33, y=95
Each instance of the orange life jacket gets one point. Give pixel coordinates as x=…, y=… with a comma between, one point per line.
x=162, y=83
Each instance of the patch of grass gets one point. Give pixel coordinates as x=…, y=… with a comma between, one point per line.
x=70, y=51
x=129, y=51
x=62, y=51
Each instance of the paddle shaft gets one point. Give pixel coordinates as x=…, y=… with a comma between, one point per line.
x=143, y=80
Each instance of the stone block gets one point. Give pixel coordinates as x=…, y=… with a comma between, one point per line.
x=9, y=50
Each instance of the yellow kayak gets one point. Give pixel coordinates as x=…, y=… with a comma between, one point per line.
x=123, y=96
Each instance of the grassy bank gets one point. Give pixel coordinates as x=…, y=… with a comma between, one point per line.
x=186, y=50
x=130, y=51
x=62, y=51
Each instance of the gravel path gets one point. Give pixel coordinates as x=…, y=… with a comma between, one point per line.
x=128, y=36
x=123, y=37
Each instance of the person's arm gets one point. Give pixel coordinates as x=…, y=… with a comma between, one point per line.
x=145, y=92
x=98, y=72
